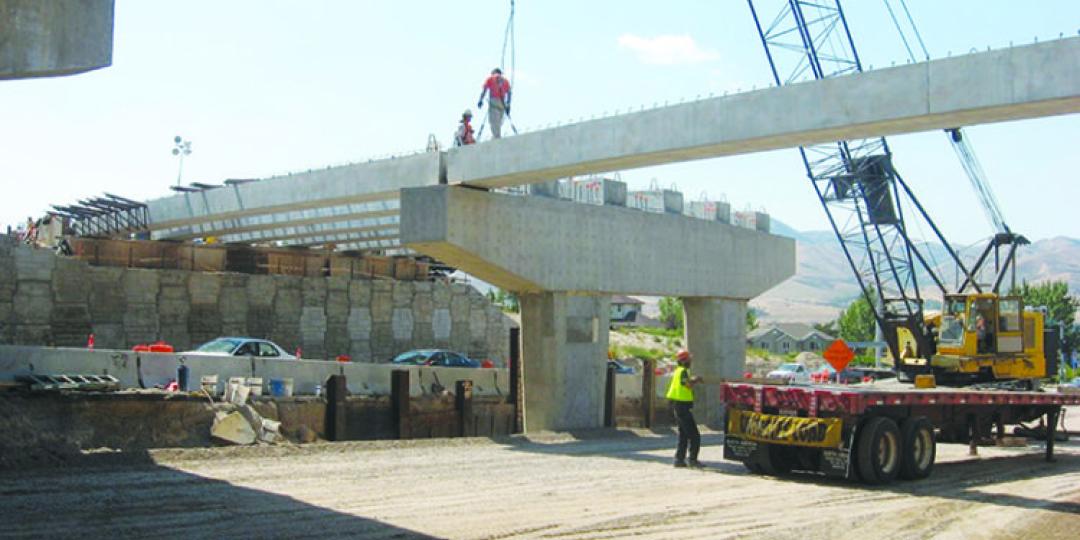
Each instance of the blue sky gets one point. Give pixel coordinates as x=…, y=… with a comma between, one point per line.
x=265, y=87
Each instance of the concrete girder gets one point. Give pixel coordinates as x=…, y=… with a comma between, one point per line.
x=1028, y=81
x=270, y=222
x=306, y=231
x=536, y=244
x=394, y=244
x=323, y=239
x=333, y=186
x=48, y=39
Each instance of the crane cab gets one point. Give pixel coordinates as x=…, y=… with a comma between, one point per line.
x=984, y=336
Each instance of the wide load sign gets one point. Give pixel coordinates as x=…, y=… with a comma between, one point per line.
x=770, y=428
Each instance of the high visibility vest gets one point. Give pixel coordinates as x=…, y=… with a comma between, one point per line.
x=676, y=391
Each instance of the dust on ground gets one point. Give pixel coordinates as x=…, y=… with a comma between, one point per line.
x=603, y=484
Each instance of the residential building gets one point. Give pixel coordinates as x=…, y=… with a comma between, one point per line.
x=781, y=338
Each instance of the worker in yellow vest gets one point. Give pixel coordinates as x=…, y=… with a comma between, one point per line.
x=681, y=396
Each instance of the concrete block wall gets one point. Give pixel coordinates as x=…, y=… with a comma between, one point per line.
x=58, y=301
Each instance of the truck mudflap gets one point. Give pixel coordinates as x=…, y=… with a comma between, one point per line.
x=780, y=443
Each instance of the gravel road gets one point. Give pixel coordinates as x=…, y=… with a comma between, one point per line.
x=596, y=485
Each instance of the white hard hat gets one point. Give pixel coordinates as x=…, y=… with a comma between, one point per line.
x=468, y=112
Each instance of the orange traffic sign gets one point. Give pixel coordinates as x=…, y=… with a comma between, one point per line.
x=838, y=355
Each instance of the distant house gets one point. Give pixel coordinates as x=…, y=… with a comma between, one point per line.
x=789, y=337
x=625, y=309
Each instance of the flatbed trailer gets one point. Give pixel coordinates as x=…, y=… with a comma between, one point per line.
x=871, y=433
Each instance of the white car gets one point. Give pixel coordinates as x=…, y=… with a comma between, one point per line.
x=792, y=372
x=241, y=346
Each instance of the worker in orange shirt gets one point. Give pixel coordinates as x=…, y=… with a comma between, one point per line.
x=464, y=134
x=498, y=90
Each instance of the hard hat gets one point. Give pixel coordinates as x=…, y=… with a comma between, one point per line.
x=467, y=113
x=683, y=354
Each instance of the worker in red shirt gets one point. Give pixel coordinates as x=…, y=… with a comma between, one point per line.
x=464, y=134
x=498, y=90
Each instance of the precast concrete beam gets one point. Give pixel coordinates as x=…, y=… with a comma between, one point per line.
x=534, y=244
x=381, y=245
x=341, y=238
x=1009, y=84
x=47, y=38
x=270, y=222
x=334, y=186
x=292, y=233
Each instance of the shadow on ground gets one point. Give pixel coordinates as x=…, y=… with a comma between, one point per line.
x=959, y=480
x=143, y=500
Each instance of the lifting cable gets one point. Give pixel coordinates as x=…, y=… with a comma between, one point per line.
x=508, y=41
x=900, y=30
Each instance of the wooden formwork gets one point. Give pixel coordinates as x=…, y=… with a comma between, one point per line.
x=243, y=259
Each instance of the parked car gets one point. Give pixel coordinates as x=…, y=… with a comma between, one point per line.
x=620, y=368
x=434, y=357
x=855, y=374
x=241, y=346
x=792, y=372
x=846, y=376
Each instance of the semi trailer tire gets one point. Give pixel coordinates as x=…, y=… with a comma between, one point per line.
x=878, y=451
x=918, y=448
x=776, y=461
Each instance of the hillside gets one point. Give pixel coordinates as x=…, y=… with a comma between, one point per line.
x=824, y=285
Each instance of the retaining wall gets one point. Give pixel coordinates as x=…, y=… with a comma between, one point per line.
x=59, y=301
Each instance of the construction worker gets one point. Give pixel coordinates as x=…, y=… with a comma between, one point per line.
x=498, y=90
x=681, y=396
x=464, y=134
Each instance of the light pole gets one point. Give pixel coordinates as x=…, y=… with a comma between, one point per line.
x=180, y=149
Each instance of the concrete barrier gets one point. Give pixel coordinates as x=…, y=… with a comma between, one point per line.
x=368, y=379
x=21, y=360
x=628, y=386
x=306, y=374
x=147, y=370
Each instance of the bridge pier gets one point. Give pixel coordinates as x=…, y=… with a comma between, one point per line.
x=564, y=355
x=716, y=337
x=565, y=260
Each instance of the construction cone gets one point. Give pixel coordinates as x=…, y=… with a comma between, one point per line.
x=90, y=342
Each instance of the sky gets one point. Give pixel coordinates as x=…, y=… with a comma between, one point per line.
x=265, y=87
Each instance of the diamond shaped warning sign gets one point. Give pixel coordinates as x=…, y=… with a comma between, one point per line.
x=838, y=355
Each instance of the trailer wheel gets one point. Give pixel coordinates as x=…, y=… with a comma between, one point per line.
x=752, y=466
x=919, y=449
x=777, y=461
x=878, y=451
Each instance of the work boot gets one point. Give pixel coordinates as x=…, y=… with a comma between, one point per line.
x=697, y=464
x=680, y=464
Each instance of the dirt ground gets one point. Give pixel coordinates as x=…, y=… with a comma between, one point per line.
x=605, y=484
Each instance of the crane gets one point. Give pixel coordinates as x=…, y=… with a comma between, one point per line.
x=865, y=198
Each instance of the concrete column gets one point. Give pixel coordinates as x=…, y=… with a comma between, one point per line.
x=716, y=337
x=564, y=347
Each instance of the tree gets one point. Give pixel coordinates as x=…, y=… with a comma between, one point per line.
x=751, y=319
x=827, y=328
x=856, y=323
x=507, y=301
x=671, y=313
x=1060, y=308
